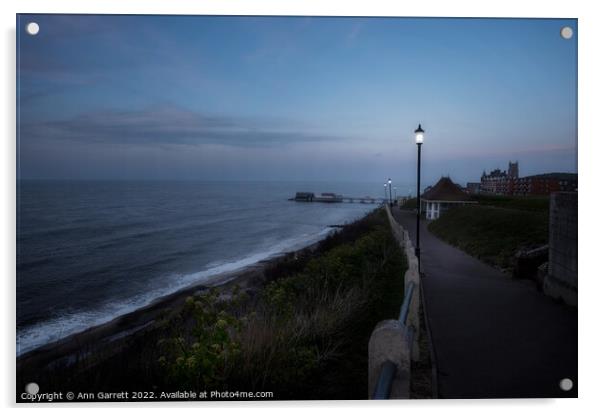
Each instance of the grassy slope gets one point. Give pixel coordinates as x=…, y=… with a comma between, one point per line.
x=316, y=323
x=346, y=377
x=528, y=203
x=494, y=234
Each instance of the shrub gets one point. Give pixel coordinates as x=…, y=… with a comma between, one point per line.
x=298, y=325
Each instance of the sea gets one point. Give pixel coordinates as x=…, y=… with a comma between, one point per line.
x=89, y=251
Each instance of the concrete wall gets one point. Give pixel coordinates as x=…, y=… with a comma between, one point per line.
x=561, y=280
x=411, y=275
x=389, y=340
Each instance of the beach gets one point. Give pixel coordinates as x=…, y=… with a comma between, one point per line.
x=110, y=338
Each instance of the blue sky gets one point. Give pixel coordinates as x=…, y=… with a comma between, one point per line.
x=293, y=98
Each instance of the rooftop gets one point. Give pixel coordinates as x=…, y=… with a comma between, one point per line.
x=446, y=190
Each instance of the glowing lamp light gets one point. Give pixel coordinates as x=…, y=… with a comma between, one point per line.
x=419, y=134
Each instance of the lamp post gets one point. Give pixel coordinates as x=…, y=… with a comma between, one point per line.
x=419, y=135
x=390, y=197
x=395, y=193
x=385, y=200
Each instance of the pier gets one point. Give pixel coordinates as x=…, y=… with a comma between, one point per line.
x=329, y=197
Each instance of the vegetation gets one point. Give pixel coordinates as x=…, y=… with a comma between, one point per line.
x=494, y=234
x=303, y=335
x=523, y=203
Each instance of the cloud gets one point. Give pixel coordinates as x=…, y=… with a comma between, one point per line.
x=168, y=126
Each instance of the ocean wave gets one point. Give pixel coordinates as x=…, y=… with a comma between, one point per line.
x=45, y=332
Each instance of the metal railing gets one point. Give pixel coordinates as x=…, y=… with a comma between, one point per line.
x=382, y=390
x=405, y=306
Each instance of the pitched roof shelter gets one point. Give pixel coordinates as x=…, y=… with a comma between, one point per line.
x=442, y=196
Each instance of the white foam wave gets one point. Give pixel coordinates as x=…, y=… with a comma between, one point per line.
x=55, y=329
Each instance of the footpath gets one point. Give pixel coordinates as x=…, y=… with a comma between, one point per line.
x=493, y=336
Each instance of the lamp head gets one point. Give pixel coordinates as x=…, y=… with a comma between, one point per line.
x=419, y=133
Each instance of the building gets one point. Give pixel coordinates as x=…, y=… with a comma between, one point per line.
x=473, y=187
x=513, y=169
x=498, y=182
x=444, y=195
x=304, y=196
x=545, y=184
x=328, y=197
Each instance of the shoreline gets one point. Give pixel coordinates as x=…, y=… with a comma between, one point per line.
x=143, y=351
x=108, y=335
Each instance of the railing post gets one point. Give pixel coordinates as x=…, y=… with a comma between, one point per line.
x=389, y=343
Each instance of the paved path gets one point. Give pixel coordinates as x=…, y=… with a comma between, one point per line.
x=493, y=336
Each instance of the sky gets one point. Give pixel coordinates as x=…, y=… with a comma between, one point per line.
x=293, y=98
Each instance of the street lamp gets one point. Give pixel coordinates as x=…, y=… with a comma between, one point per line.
x=385, y=200
x=390, y=197
x=419, y=134
x=395, y=192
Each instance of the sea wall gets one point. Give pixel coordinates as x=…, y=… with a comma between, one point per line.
x=561, y=279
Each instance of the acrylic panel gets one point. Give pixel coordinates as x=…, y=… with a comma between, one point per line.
x=295, y=208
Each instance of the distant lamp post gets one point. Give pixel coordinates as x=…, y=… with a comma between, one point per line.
x=395, y=193
x=419, y=134
x=390, y=197
x=385, y=200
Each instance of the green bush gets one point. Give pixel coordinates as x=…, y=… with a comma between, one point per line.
x=203, y=359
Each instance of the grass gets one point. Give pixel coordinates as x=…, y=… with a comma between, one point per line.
x=494, y=234
x=304, y=335
x=524, y=203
